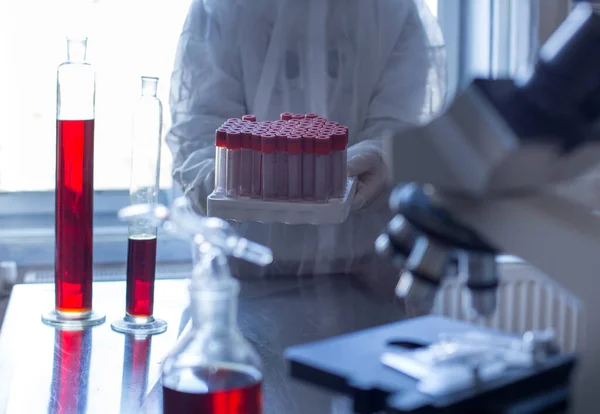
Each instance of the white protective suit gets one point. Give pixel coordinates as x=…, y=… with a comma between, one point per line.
x=373, y=65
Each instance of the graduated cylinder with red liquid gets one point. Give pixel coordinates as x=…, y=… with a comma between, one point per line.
x=144, y=189
x=74, y=207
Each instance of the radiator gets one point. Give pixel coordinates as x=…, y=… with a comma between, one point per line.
x=527, y=300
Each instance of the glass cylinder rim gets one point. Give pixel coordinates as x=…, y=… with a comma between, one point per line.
x=80, y=39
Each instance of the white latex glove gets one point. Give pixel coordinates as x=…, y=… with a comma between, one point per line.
x=366, y=164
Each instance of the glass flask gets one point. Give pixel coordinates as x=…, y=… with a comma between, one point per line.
x=213, y=369
x=144, y=188
x=74, y=192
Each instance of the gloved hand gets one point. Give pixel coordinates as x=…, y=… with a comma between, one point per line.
x=366, y=164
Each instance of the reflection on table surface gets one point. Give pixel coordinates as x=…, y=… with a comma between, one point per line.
x=99, y=371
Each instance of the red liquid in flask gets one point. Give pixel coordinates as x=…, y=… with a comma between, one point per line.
x=141, y=265
x=215, y=391
x=74, y=215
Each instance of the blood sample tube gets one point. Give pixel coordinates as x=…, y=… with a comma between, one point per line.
x=286, y=116
x=246, y=164
x=294, y=149
x=308, y=167
x=338, y=164
x=269, y=166
x=250, y=118
x=233, y=163
x=220, y=160
x=322, y=179
x=298, y=116
x=282, y=166
x=74, y=192
x=256, y=164
x=311, y=115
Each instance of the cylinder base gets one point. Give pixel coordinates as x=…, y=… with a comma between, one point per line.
x=139, y=326
x=61, y=320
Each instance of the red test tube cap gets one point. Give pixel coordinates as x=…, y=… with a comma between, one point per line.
x=311, y=115
x=298, y=116
x=221, y=137
x=281, y=142
x=256, y=141
x=294, y=144
x=246, y=139
x=249, y=117
x=268, y=143
x=322, y=145
x=233, y=140
x=338, y=141
x=286, y=116
x=308, y=143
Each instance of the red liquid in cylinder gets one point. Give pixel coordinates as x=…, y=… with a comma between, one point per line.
x=74, y=215
x=220, y=391
x=141, y=266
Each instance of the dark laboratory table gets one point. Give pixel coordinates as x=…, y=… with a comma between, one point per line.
x=44, y=370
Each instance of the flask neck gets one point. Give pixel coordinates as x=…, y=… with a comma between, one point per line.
x=76, y=50
x=214, y=308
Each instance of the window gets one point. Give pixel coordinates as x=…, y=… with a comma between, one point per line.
x=127, y=39
x=433, y=6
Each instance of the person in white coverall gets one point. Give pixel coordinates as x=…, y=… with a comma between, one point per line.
x=377, y=66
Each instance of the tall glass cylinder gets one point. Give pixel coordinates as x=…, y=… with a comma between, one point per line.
x=141, y=256
x=74, y=191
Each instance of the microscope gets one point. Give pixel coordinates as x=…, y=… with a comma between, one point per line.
x=474, y=183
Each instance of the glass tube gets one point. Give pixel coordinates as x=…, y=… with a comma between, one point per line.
x=74, y=192
x=141, y=255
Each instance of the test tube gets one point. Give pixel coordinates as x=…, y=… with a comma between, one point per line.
x=250, y=118
x=269, y=166
x=233, y=163
x=298, y=116
x=294, y=148
x=338, y=164
x=246, y=163
x=286, y=116
x=311, y=115
x=282, y=166
x=220, y=160
x=322, y=179
x=144, y=188
x=256, y=164
x=308, y=167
